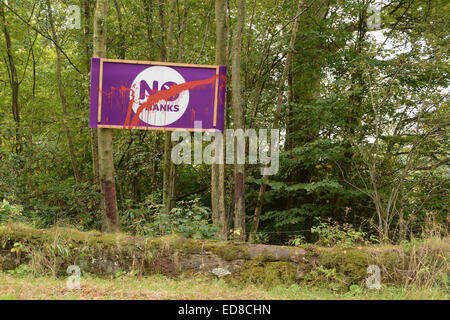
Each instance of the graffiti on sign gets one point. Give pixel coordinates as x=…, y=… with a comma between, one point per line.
x=155, y=95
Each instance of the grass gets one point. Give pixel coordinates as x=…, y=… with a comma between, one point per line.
x=24, y=287
x=414, y=270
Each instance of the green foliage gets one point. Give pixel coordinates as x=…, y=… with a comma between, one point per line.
x=362, y=117
x=9, y=211
x=21, y=270
x=268, y=275
x=355, y=290
x=188, y=218
x=297, y=240
x=262, y=238
x=332, y=234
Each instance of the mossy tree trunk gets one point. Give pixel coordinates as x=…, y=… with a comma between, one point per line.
x=110, y=216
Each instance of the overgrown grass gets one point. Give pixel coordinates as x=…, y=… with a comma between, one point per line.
x=35, y=263
x=157, y=287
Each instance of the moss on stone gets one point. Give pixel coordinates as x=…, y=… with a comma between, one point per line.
x=50, y=251
x=352, y=263
x=268, y=274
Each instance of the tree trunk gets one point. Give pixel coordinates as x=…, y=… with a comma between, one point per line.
x=238, y=118
x=162, y=45
x=13, y=81
x=87, y=33
x=214, y=183
x=148, y=7
x=121, y=31
x=88, y=54
x=183, y=31
x=168, y=166
x=262, y=189
x=94, y=150
x=219, y=213
x=170, y=170
x=170, y=31
x=166, y=173
x=62, y=96
x=110, y=217
x=173, y=168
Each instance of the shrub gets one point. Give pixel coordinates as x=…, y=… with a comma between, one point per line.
x=332, y=233
x=188, y=219
x=9, y=211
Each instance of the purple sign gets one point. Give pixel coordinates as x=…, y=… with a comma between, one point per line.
x=156, y=95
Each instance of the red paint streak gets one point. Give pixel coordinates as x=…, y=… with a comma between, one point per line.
x=121, y=91
x=223, y=84
x=163, y=95
x=192, y=115
x=130, y=108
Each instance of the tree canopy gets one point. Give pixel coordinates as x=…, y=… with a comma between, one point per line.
x=363, y=115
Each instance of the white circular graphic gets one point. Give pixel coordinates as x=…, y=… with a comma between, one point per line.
x=163, y=112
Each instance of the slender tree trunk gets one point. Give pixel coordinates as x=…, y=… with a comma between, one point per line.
x=88, y=54
x=220, y=5
x=238, y=118
x=148, y=6
x=224, y=216
x=121, y=31
x=163, y=54
x=168, y=170
x=170, y=31
x=62, y=96
x=13, y=81
x=214, y=183
x=87, y=33
x=94, y=150
x=219, y=213
x=173, y=184
x=221, y=208
x=173, y=168
x=105, y=151
x=166, y=173
x=289, y=128
x=162, y=26
x=262, y=189
x=183, y=31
